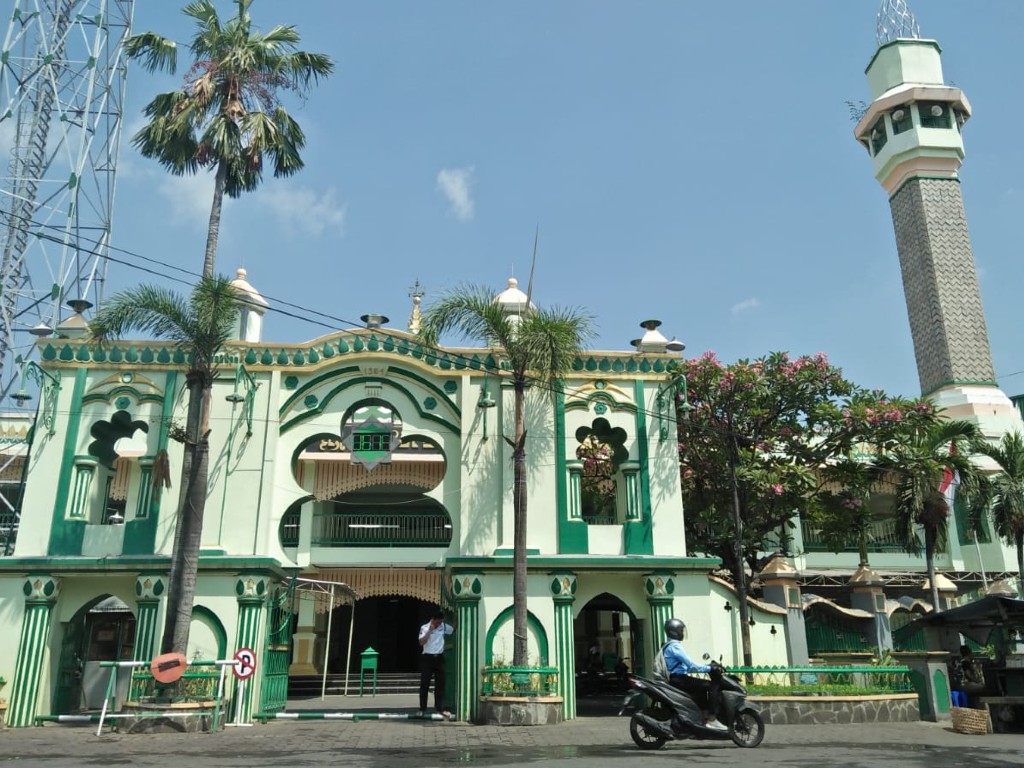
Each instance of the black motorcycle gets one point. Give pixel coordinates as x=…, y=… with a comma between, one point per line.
x=673, y=714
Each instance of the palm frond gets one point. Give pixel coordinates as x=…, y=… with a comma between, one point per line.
x=156, y=52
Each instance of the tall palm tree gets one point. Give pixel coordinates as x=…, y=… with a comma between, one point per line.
x=228, y=117
x=920, y=463
x=1006, y=491
x=201, y=325
x=539, y=345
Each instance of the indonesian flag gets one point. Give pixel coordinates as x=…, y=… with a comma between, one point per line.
x=947, y=487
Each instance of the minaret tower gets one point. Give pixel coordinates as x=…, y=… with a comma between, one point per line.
x=912, y=130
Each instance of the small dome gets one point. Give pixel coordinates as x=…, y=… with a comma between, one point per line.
x=513, y=300
x=249, y=294
x=941, y=582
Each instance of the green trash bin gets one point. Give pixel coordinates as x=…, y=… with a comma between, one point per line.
x=368, y=663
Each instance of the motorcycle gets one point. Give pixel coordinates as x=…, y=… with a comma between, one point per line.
x=674, y=715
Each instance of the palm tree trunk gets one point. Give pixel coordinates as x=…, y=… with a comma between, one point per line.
x=189, y=528
x=739, y=571
x=213, y=230
x=519, y=636
x=1020, y=565
x=929, y=559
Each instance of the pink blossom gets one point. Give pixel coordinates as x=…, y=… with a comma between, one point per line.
x=777, y=489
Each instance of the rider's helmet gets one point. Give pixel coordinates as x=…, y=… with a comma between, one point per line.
x=675, y=629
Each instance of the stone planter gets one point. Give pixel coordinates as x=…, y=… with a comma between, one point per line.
x=818, y=710
x=148, y=721
x=521, y=710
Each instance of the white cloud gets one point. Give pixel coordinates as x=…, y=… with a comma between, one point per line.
x=189, y=197
x=745, y=305
x=303, y=208
x=454, y=184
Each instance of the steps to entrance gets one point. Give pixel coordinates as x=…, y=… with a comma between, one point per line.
x=307, y=686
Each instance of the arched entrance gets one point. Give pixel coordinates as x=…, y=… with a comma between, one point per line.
x=607, y=644
x=101, y=630
x=389, y=624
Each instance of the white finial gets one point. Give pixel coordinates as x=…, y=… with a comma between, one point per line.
x=241, y=274
x=895, y=21
x=512, y=282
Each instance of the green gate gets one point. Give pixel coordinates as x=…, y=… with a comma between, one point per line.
x=274, y=694
x=831, y=633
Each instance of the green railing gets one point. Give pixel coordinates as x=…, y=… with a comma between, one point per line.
x=373, y=529
x=199, y=685
x=519, y=681
x=8, y=533
x=882, y=538
x=826, y=681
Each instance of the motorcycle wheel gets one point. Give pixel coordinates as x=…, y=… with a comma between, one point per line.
x=642, y=737
x=747, y=728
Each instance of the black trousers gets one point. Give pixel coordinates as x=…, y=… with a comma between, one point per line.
x=704, y=692
x=432, y=666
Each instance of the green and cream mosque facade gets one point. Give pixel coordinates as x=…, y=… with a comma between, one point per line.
x=360, y=458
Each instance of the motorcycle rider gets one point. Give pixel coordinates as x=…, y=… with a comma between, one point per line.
x=681, y=668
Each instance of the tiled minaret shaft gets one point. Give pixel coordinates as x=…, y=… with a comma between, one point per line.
x=912, y=130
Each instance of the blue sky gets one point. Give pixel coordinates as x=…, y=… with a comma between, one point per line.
x=690, y=162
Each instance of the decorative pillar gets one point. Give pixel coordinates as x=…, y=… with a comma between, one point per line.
x=304, y=641
x=149, y=589
x=631, y=475
x=946, y=589
x=781, y=588
x=467, y=589
x=575, y=467
x=251, y=591
x=40, y=595
x=867, y=594
x=563, y=590
x=659, y=588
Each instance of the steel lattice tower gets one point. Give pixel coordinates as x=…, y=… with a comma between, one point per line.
x=62, y=85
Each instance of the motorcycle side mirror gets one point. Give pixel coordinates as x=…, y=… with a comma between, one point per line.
x=706, y=656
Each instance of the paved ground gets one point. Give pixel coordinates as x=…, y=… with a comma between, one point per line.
x=587, y=742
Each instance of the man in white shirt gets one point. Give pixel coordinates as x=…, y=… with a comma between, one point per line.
x=432, y=635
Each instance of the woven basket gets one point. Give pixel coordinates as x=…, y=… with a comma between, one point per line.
x=966, y=720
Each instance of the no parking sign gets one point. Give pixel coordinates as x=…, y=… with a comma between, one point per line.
x=245, y=664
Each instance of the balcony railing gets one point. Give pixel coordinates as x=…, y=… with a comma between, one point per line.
x=883, y=537
x=375, y=529
x=8, y=533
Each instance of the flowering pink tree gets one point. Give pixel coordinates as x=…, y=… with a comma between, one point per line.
x=754, y=437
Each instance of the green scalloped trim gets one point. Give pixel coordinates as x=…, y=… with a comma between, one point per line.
x=106, y=397
x=315, y=354
x=585, y=403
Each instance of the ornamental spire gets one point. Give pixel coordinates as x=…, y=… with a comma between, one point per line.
x=895, y=20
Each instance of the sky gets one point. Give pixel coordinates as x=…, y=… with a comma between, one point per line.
x=688, y=162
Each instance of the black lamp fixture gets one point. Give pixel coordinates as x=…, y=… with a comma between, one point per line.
x=728, y=606
x=773, y=630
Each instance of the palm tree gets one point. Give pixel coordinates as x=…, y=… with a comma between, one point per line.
x=928, y=456
x=1006, y=491
x=201, y=325
x=539, y=345
x=228, y=116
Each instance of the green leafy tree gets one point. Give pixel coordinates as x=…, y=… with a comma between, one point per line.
x=1005, y=492
x=857, y=492
x=928, y=458
x=201, y=325
x=753, y=437
x=539, y=346
x=228, y=117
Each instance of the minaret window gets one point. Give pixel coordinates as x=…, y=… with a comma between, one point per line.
x=902, y=120
x=934, y=114
x=878, y=136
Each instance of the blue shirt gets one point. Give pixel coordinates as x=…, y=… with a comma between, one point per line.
x=678, y=662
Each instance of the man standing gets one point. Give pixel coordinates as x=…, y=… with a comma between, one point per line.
x=432, y=636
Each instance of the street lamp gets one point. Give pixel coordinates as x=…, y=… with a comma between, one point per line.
x=49, y=386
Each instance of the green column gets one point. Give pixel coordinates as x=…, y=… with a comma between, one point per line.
x=251, y=591
x=563, y=591
x=148, y=591
x=467, y=589
x=659, y=588
x=40, y=595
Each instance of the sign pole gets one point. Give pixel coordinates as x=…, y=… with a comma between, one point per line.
x=327, y=644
